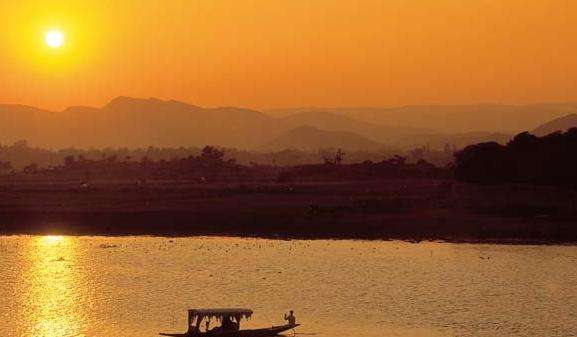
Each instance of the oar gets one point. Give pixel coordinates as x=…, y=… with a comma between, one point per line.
x=306, y=333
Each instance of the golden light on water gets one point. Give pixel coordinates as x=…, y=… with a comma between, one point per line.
x=52, y=304
x=51, y=239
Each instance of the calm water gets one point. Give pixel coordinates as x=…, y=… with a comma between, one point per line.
x=82, y=286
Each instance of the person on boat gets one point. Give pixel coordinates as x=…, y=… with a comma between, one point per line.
x=227, y=324
x=193, y=330
x=236, y=324
x=290, y=318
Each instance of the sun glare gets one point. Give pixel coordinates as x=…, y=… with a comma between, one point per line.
x=54, y=38
x=52, y=239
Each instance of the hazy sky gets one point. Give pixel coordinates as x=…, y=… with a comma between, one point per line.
x=281, y=53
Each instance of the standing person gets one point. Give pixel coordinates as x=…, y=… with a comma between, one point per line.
x=290, y=318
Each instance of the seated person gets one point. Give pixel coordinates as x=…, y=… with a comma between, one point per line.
x=193, y=329
x=290, y=318
x=227, y=324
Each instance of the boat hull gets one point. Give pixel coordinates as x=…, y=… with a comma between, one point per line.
x=266, y=332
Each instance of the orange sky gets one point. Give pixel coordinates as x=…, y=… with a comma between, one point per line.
x=282, y=53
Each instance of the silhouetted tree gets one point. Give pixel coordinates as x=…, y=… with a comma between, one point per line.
x=69, y=162
x=334, y=158
x=211, y=155
x=526, y=158
x=21, y=144
x=31, y=168
x=395, y=161
x=5, y=167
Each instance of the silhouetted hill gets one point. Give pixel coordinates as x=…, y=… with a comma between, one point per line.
x=172, y=123
x=133, y=122
x=329, y=121
x=138, y=122
x=310, y=139
x=458, y=140
x=558, y=124
x=399, y=137
x=454, y=118
x=19, y=121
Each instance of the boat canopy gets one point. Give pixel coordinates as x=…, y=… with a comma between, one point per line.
x=237, y=313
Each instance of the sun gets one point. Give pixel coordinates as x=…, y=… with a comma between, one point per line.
x=54, y=38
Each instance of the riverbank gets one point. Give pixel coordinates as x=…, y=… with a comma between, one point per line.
x=405, y=209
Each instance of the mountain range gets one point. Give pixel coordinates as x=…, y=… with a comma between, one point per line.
x=507, y=119
x=558, y=124
x=133, y=122
x=308, y=138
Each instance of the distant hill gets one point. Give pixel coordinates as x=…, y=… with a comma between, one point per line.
x=395, y=136
x=330, y=121
x=508, y=119
x=309, y=138
x=135, y=122
x=457, y=140
x=558, y=124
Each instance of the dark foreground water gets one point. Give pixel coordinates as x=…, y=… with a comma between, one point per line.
x=56, y=286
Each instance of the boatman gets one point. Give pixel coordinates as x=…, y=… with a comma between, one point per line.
x=290, y=318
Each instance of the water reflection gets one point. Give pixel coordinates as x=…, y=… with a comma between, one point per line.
x=137, y=286
x=52, y=307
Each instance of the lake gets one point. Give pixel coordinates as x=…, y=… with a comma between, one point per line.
x=54, y=286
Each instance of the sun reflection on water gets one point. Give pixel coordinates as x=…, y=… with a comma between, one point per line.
x=52, y=289
x=51, y=239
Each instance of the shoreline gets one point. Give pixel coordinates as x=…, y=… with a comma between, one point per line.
x=116, y=225
x=506, y=242
x=411, y=210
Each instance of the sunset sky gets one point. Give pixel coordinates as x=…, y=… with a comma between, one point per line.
x=266, y=54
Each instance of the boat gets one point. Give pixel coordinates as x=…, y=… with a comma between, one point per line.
x=229, y=319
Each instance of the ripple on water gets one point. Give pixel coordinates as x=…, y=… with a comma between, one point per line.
x=137, y=286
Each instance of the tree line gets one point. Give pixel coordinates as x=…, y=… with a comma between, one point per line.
x=550, y=160
x=213, y=162
x=21, y=155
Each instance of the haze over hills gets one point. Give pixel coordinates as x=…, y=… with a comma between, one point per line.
x=138, y=123
x=558, y=124
x=508, y=119
x=330, y=121
x=457, y=140
x=395, y=136
x=133, y=122
x=309, y=138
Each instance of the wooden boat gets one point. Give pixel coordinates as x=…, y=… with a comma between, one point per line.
x=230, y=324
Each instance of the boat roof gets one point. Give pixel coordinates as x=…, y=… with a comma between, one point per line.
x=217, y=312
